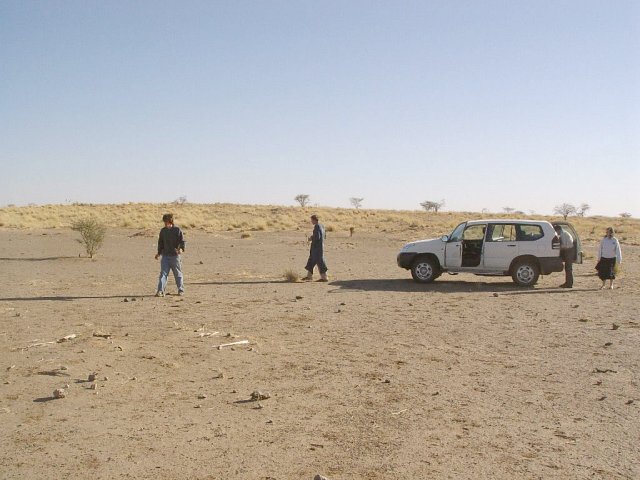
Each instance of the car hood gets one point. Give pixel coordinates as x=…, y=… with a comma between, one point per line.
x=422, y=245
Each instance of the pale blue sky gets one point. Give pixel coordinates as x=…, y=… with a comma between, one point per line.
x=485, y=104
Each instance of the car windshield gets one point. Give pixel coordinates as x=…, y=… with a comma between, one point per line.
x=456, y=235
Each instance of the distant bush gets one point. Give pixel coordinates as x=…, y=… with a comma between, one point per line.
x=245, y=235
x=92, y=234
x=330, y=228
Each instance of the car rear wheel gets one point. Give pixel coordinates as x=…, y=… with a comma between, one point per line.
x=425, y=270
x=525, y=273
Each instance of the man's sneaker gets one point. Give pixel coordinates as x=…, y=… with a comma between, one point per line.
x=308, y=278
x=159, y=294
x=323, y=278
x=181, y=293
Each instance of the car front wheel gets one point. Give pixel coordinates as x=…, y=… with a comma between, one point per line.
x=525, y=273
x=425, y=270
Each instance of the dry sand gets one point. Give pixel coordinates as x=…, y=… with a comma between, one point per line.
x=370, y=376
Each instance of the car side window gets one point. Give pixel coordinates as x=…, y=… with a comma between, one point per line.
x=475, y=232
x=502, y=232
x=529, y=233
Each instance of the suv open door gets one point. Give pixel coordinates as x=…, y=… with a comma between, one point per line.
x=577, y=244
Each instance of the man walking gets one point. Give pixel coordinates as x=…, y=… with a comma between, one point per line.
x=170, y=246
x=568, y=254
x=316, y=253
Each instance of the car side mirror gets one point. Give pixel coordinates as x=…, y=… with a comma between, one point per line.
x=444, y=238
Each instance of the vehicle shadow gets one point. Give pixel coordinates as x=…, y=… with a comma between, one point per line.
x=408, y=285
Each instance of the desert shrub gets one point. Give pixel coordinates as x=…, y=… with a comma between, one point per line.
x=291, y=275
x=245, y=235
x=330, y=228
x=92, y=234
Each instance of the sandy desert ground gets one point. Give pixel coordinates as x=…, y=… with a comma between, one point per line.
x=370, y=376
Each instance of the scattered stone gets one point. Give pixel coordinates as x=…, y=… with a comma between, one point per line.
x=495, y=294
x=342, y=303
x=134, y=378
x=105, y=379
x=201, y=262
x=583, y=320
x=608, y=344
x=320, y=477
x=628, y=402
x=299, y=297
x=197, y=406
x=602, y=398
x=93, y=386
x=92, y=377
x=125, y=300
x=59, y=393
x=202, y=396
x=218, y=375
x=271, y=421
x=101, y=335
x=615, y=326
x=134, y=299
x=604, y=370
x=11, y=367
x=257, y=395
x=575, y=306
x=66, y=338
x=387, y=380
x=234, y=391
x=435, y=393
x=259, y=406
x=67, y=386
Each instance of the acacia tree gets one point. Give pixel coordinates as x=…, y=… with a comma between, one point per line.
x=582, y=209
x=429, y=206
x=508, y=209
x=565, y=210
x=625, y=215
x=356, y=202
x=303, y=199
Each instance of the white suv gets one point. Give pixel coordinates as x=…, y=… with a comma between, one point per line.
x=523, y=249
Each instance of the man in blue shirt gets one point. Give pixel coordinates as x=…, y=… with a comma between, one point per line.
x=316, y=253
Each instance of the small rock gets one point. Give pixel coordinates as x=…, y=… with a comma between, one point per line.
x=320, y=477
x=125, y=300
x=387, y=381
x=615, y=326
x=59, y=393
x=198, y=406
x=105, y=379
x=342, y=303
x=299, y=297
x=134, y=299
x=495, y=294
x=602, y=398
x=234, y=391
x=134, y=378
x=608, y=344
x=201, y=262
x=93, y=386
x=67, y=386
x=629, y=402
x=202, y=396
x=258, y=395
x=92, y=377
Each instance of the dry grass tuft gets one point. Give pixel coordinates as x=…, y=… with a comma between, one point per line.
x=245, y=235
x=291, y=276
